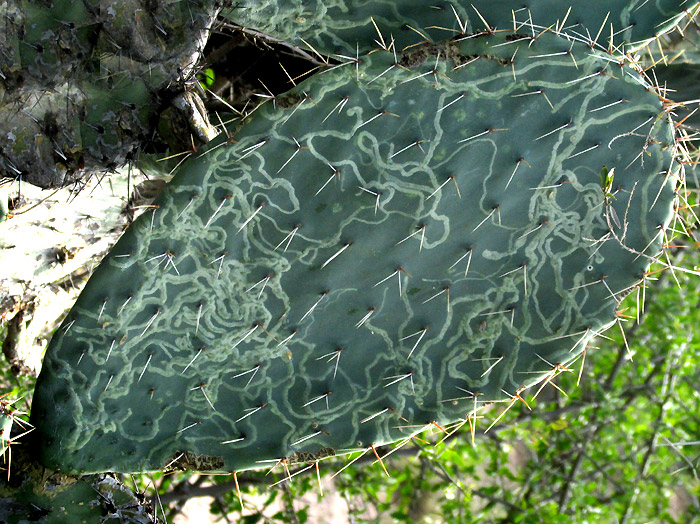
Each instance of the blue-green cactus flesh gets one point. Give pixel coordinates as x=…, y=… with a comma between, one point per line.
x=393, y=241
x=350, y=26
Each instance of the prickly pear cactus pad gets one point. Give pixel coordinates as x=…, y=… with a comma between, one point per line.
x=347, y=26
x=37, y=495
x=391, y=243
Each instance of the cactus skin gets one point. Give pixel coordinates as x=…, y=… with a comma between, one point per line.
x=52, y=498
x=345, y=26
x=31, y=493
x=209, y=336
x=82, y=82
x=6, y=421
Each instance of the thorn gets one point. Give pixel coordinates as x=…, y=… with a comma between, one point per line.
x=252, y=411
x=380, y=460
x=288, y=338
x=110, y=349
x=383, y=73
x=299, y=148
x=381, y=113
x=335, y=172
x=238, y=489
x=150, y=356
x=173, y=461
x=416, y=143
x=320, y=397
x=493, y=210
x=289, y=236
x=303, y=439
x=422, y=333
x=498, y=360
x=251, y=149
x=460, y=97
x=446, y=289
x=70, y=324
x=451, y=177
x=469, y=260
x=421, y=230
x=350, y=463
x=608, y=105
x=475, y=136
x=397, y=272
x=153, y=318
x=345, y=246
x=584, y=151
x=318, y=476
x=513, y=400
x=377, y=195
x=217, y=210
x=188, y=427
x=102, y=309
x=554, y=131
x=254, y=372
x=201, y=387
x=576, y=80
x=323, y=295
x=250, y=332
x=381, y=42
x=339, y=106
x=251, y=217
x=334, y=355
x=399, y=378
x=221, y=263
x=364, y=319
x=192, y=361
x=199, y=313
x=517, y=164
x=367, y=419
x=233, y=440
x=263, y=281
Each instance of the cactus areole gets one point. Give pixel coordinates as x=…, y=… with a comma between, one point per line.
x=396, y=242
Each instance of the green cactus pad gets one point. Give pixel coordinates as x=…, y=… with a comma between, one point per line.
x=344, y=26
x=386, y=246
x=37, y=495
x=6, y=422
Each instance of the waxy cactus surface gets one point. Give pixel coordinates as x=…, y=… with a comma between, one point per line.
x=395, y=243
x=350, y=26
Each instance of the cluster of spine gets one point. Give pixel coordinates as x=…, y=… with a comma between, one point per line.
x=678, y=74
x=395, y=243
x=82, y=81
